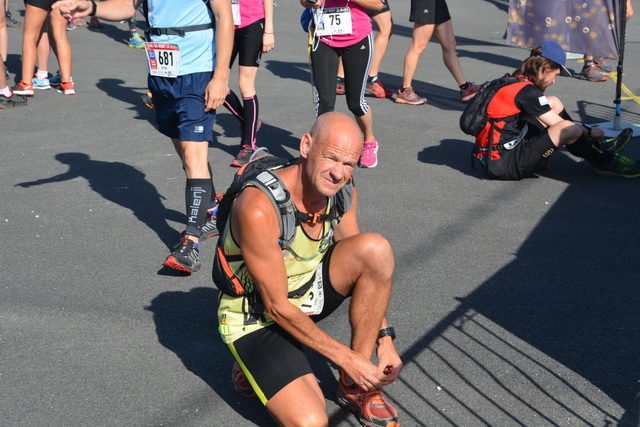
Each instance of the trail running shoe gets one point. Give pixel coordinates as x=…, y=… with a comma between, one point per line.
x=243, y=156
x=185, y=256
x=209, y=228
x=71, y=25
x=621, y=166
x=591, y=74
x=136, y=42
x=95, y=23
x=11, y=21
x=370, y=407
x=377, y=89
x=23, y=88
x=67, y=88
x=340, y=87
x=147, y=98
x=369, y=156
x=601, y=63
x=41, y=84
x=240, y=382
x=408, y=96
x=55, y=80
x=80, y=22
x=617, y=143
x=12, y=101
x=467, y=94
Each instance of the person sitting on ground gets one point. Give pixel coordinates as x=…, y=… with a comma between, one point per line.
x=526, y=127
x=431, y=17
x=289, y=290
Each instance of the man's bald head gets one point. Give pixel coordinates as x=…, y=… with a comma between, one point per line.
x=336, y=128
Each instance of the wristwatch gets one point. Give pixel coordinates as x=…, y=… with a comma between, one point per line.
x=387, y=332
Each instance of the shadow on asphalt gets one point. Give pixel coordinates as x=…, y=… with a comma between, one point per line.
x=116, y=89
x=560, y=318
x=186, y=324
x=123, y=185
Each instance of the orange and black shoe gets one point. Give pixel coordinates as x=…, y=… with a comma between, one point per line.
x=185, y=256
x=370, y=407
x=340, y=86
x=22, y=88
x=240, y=382
x=67, y=88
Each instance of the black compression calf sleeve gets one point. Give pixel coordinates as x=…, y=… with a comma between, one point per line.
x=197, y=196
x=585, y=148
x=250, y=125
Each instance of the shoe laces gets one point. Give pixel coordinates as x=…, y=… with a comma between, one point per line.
x=626, y=161
x=245, y=150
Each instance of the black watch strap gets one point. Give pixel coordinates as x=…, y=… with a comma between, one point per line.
x=93, y=8
x=387, y=332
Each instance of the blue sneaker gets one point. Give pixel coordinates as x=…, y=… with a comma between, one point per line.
x=41, y=84
x=136, y=42
x=55, y=80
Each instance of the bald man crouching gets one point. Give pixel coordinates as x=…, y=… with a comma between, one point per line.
x=289, y=289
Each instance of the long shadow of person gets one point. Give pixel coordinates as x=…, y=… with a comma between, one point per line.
x=186, y=324
x=116, y=88
x=454, y=153
x=121, y=184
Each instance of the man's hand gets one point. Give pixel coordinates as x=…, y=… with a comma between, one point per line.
x=364, y=373
x=73, y=8
x=388, y=360
x=215, y=93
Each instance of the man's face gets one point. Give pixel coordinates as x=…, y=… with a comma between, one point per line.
x=330, y=164
x=546, y=77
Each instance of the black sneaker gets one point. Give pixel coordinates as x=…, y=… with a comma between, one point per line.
x=621, y=166
x=209, y=229
x=243, y=156
x=617, y=143
x=13, y=101
x=185, y=256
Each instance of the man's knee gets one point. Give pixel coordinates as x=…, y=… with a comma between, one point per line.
x=375, y=250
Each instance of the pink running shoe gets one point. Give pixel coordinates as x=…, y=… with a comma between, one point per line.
x=369, y=156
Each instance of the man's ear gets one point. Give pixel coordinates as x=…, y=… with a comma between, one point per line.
x=305, y=145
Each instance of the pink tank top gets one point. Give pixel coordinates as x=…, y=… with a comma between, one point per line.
x=250, y=12
x=360, y=24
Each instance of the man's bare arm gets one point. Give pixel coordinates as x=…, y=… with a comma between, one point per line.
x=109, y=10
x=218, y=87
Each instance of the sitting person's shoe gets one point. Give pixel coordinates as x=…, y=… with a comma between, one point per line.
x=209, y=228
x=136, y=42
x=591, y=74
x=370, y=407
x=601, y=63
x=617, y=143
x=13, y=101
x=185, y=256
x=243, y=156
x=377, y=89
x=240, y=382
x=621, y=166
x=408, y=96
x=467, y=94
x=369, y=156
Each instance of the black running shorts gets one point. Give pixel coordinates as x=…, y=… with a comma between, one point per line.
x=429, y=12
x=384, y=9
x=270, y=357
x=41, y=4
x=247, y=45
x=524, y=160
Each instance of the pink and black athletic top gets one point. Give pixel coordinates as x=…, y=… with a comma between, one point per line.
x=250, y=12
x=360, y=24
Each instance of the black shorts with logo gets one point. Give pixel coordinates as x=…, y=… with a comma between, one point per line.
x=270, y=357
x=384, y=9
x=429, y=12
x=525, y=159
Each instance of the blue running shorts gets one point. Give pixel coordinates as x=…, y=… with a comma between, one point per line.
x=179, y=105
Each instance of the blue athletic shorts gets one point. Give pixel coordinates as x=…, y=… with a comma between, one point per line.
x=179, y=104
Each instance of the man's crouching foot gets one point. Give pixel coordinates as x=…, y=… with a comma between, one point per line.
x=370, y=407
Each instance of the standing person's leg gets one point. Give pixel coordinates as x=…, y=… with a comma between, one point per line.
x=356, y=60
x=384, y=23
x=4, y=34
x=8, y=99
x=324, y=66
x=41, y=79
x=63, y=52
x=419, y=40
x=34, y=18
